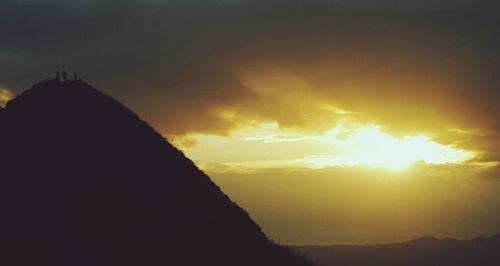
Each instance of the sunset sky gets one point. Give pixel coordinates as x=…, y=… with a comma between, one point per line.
x=328, y=121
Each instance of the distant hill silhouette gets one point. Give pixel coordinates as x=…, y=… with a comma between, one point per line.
x=428, y=251
x=85, y=182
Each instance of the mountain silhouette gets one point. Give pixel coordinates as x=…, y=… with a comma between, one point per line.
x=417, y=252
x=84, y=181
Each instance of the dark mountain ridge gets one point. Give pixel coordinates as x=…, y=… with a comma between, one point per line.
x=85, y=182
x=421, y=251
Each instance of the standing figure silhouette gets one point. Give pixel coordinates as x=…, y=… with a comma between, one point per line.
x=64, y=76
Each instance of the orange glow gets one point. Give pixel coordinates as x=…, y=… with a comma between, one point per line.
x=5, y=96
x=341, y=146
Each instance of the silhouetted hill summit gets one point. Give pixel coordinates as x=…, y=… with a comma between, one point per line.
x=85, y=182
x=417, y=252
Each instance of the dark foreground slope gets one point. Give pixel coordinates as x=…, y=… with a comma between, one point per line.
x=85, y=182
x=427, y=251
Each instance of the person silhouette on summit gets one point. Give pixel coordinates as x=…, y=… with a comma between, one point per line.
x=64, y=76
x=58, y=76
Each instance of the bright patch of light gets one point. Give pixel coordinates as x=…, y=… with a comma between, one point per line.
x=5, y=96
x=371, y=146
x=268, y=146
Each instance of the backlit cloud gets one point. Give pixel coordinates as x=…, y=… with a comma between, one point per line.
x=5, y=96
x=216, y=66
x=267, y=146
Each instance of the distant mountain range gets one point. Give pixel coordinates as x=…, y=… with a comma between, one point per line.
x=85, y=182
x=425, y=251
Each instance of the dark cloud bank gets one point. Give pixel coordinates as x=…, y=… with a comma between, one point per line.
x=179, y=63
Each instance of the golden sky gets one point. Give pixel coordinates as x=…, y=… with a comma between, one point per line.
x=329, y=121
x=5, y=96
x=312, y=168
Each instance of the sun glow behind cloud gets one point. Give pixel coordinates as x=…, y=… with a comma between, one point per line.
x=5, y=96
x=369, y=145
x=268, y=146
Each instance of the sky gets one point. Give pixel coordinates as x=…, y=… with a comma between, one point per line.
x=329, y=121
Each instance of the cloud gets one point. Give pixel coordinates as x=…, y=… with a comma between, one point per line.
x=5, y=96
x=267, y=146
x=185, y=65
